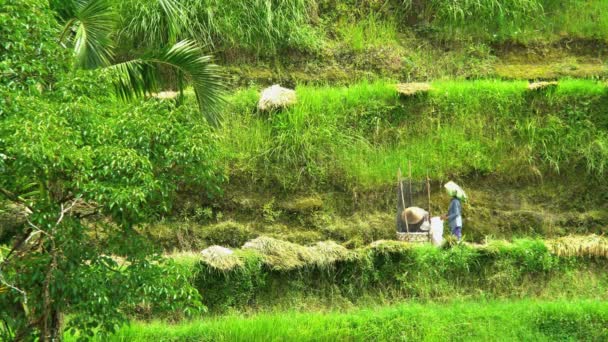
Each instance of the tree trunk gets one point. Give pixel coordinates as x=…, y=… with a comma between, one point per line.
x=56, y=326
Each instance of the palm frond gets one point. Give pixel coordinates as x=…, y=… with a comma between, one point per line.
x=140, y=77
x=95, y=21
x=134, y=78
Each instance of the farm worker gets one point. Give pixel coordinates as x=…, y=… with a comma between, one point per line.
x=454, y=216
x=415, y=218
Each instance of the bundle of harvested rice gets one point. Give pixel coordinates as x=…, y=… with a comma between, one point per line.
x=409, y=89
x=580, y=246
x=329, y=252
x=221, y=258
x=389, y=246
x=275, y=97
x=454, y=190
x=283, y=255
x=280, y=255
x=542, y=85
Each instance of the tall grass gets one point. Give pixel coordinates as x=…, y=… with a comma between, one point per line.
x=577, y=18
x=271, y=28
x=458, y=321
x=260, y=26
x=355, y=138
x=371, y=31
x=514, y=20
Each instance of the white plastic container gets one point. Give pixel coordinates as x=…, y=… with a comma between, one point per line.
x=436, y=231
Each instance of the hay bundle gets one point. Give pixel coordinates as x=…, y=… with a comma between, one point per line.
x=282, y=255
x=410, y=89
x=580, y=246
x=541, y=85
x=221, y=258
x=278, y=254
x=390, y=246
x=328, y=252
x=276, y=97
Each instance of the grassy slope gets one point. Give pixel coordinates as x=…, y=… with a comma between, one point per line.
x=459, y=321
x=356, y=137
x=533, y=161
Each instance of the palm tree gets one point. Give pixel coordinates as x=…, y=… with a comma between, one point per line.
x=91, y=27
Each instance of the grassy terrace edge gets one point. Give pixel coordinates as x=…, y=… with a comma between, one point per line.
x=458, y=321
x=267, y=274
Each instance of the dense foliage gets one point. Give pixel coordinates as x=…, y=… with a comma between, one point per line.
x=65, y=157
x=81, y=170
x=30, y=55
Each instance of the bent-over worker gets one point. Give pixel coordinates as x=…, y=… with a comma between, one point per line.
x=415, y=217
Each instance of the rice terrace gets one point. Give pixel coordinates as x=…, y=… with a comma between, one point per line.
x=303, y=170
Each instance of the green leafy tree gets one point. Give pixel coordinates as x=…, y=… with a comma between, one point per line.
x=72, y=163
x=84, y=173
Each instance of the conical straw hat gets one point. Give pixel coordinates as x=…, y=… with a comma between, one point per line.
x=414, y=215
x=455, y=191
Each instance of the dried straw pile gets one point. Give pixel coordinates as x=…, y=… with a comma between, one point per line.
x=541, y=85
x=221, y=258
x=389, y=246
x=282, y=255
x=410, y=89
x=580, y=246
x=329, y=252
x=276, y=97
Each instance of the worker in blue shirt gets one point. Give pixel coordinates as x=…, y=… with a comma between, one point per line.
x=454, y=216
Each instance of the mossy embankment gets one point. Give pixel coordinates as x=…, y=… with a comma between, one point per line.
x=533, y=161
x=460, y=321
x=268, y=274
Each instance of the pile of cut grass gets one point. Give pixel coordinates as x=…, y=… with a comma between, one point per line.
x=458, y=321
